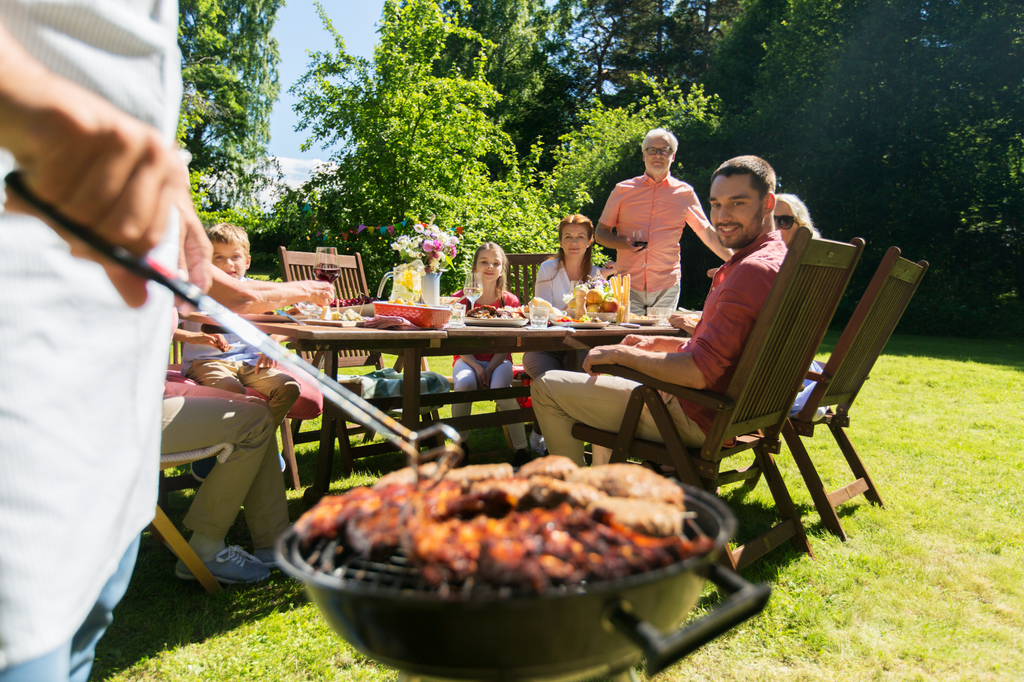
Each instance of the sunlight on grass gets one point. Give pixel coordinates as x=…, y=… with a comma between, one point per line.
x=929, y=588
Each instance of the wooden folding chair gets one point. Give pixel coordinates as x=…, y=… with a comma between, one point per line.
x=522, y=273
x=849, y=366
x=166, y=531
x=751, y=413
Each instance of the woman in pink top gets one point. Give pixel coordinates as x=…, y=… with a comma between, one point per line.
x=490, y=370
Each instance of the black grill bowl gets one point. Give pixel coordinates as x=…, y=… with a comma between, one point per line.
x=595, y=629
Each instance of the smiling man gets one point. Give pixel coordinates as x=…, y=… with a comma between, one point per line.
x=742, y=199
x=644, y=219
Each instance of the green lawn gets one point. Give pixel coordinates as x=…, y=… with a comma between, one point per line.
x=929, y=588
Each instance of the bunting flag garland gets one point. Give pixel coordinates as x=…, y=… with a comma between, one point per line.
x=361, y=228
x=458, y=230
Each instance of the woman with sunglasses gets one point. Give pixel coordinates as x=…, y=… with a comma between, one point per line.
x=790, y=212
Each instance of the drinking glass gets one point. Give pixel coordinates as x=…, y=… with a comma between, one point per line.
x=538, y=317
x=458, y=318
x=326, y=267
x=661, y=315
x=640, y=238
x=474, y=288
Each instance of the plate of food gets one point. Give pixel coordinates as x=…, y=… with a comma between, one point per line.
x=496, y=322
x=644, y=320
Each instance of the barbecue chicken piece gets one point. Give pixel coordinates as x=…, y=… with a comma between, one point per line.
x=630, y=480
x=644, y=516
x=468, y=475
x=554, y=466
x=549, y=492
x=515, y=488
x=405, y=476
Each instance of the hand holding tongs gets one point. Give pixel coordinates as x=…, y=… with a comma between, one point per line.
x=353, y=405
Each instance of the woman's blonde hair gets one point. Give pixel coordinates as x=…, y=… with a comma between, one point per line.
x=800, y=212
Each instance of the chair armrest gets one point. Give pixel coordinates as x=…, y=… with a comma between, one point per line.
x=713, y=401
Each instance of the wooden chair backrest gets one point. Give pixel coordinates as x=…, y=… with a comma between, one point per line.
x=795, y=316
x=299, y=265
x=522, y=273
x=867, y=332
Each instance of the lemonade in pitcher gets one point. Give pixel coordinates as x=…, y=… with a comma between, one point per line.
x=408, y=282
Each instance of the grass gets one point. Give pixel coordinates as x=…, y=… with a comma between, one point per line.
x=929, y=588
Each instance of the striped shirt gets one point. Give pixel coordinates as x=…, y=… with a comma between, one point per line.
x=82, y=374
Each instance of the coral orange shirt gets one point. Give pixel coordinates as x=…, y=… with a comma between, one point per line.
x=738, y=292
x=661, y=210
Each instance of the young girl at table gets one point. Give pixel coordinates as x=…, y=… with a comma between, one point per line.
x=490, y=370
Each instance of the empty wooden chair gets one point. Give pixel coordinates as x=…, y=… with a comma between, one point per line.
x=522, y=273
x=849, y=366
x=751, y=413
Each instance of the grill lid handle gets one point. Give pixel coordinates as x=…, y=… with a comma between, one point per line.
x=662, y=650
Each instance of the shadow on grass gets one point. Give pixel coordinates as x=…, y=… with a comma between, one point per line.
x=1002, y=353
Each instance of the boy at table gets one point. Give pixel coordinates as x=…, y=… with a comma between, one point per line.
x=240, y=365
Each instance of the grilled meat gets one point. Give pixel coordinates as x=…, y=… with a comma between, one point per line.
x=554, y=466
x=630, y=480
x=468, y=475
x=548, y=493
x=504, y=531
x=405, y=476
x=644, y=516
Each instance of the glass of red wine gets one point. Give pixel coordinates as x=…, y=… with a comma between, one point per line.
x=640, y=239
x=326, y=267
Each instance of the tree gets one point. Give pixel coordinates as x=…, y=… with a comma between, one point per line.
x=229, y=69
x=410, y=141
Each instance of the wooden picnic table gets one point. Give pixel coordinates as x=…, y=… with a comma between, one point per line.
x=412, y=346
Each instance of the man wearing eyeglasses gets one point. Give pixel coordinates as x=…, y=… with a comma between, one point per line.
x=644, y=219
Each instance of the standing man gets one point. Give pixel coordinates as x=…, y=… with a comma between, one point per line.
x=89, y=98
x=657, y=207
x=742, y=200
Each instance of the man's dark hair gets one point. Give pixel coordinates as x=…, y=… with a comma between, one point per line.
x=762, y=174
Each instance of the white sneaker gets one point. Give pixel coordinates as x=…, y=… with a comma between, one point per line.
x=231, y=565
x=537, y=443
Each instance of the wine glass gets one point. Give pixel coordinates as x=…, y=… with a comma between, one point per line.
x=326, y=268
x=474, y=288
x=639, y=239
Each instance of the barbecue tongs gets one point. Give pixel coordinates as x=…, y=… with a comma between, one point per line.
x=358, y=409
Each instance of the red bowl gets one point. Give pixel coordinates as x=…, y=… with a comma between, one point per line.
x=422, y=316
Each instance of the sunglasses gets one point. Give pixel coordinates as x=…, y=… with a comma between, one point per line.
x=784, y=222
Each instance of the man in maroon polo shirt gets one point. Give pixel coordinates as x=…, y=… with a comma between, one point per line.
x=742, y=200
x=653, y=209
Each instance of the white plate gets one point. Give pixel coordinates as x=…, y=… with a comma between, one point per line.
x=514, y=322
x=586, y=325
x=642, y=322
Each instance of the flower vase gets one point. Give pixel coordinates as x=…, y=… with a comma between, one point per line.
x=431, y=290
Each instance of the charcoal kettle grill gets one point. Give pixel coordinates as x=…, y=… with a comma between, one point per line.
x=386, y=610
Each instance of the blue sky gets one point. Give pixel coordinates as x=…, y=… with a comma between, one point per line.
x=298, y=30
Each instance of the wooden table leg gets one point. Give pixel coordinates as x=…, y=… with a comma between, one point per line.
x=328, y=433
x=411, y=388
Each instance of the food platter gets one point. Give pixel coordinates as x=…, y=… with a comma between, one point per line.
x=643, y=321
x=581, y=325
x=496, y=322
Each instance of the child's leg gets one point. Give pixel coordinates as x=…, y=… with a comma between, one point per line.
x=281, y=390
x=216, y=374
x=465, y=380
x=501, y=377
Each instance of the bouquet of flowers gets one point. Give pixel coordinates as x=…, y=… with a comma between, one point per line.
x=430, y=244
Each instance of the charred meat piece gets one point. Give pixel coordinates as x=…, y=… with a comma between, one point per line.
x=554, y=466
x=515, y=488
x=405, y=476
x=548, y=493
x=644, y=516
x=468, y=475
x=630, y=480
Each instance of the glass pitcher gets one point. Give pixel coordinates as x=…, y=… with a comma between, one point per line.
x=407, y=282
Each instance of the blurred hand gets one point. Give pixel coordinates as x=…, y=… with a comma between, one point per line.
x=265, y=363
x=601, y=355
x=682, y=321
